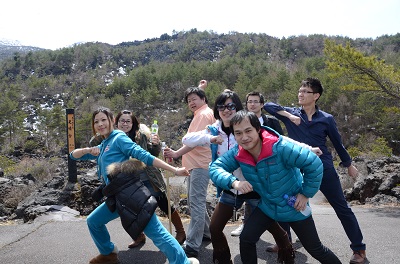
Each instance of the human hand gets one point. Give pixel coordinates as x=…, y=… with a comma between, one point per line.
x=295, y=119
x=242, y=186
x=95, y=151
x=352, y=171
x=217, y=140
x=170, y=153
x=182, y=172
x=154, y=139
x=317, y=151
x=301, y=202
x=203, y=84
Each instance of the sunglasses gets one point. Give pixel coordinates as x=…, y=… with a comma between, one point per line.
x=230, y=106
x=126, y=112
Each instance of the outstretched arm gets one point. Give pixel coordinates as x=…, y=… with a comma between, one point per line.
x=79, y=152
x=170, y=153
x=163, y=165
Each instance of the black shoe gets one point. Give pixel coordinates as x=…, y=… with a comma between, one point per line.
x=206, y=239
x=190, y=252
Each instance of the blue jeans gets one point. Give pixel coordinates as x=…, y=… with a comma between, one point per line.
x=199, y=225
x=305, y=230
x=332, y=189
x=167, y=244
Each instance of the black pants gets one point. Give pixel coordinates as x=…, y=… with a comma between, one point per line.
x=305, y=230
x=332, y=189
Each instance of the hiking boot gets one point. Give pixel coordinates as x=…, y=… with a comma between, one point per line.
x=180, y=231
x=139, y=241
x=112, y=258
x=359, y=256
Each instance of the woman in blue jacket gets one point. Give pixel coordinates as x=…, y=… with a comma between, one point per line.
x=118, y=147
x=271, y=166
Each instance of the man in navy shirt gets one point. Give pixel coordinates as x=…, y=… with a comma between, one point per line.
x=312, y=126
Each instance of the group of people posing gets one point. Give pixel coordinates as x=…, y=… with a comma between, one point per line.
x=246, y=155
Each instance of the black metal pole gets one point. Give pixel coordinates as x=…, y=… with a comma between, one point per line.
x=72, y=171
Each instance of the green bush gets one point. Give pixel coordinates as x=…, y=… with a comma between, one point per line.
x=30, y=146
x=6, y=164
x=354, y=152
x=41, y=169
x=373, y=146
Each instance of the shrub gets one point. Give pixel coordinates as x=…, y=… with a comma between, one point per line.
x=6, y=164
x=373, y=146
x=41, y=169
x=30, y=146
x=354, y=152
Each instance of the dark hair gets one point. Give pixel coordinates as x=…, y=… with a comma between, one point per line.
x=221, y=99
x=195, y=90
x=254, y=93
x=314, y=84
x=107, y=112
x=243, y=114
x=135, y=123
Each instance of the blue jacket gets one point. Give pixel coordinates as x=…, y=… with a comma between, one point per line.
x=277, y=172
x=117, y=147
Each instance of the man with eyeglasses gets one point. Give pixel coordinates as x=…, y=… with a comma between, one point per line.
x=196, y=161
x=312, y=126
x=255, y=103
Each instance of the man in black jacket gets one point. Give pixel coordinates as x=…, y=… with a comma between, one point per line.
x=255, y=103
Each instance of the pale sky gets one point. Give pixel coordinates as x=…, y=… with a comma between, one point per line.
x=54, y=24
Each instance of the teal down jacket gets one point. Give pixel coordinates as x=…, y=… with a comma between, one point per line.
x=277, y=172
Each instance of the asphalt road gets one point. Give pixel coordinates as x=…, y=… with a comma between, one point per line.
x=63, y=239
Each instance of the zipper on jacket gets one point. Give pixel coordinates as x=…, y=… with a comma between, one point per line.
x=128, y=209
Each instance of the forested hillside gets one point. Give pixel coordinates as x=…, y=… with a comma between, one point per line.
x=150, y=77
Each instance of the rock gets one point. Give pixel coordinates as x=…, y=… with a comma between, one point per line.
x=378, y=184
x=379, y=177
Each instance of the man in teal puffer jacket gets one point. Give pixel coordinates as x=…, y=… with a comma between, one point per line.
x=271, y=166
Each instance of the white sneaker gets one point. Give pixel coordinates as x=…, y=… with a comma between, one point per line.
x=193, y=261
x=237, y=231
x=115, y=250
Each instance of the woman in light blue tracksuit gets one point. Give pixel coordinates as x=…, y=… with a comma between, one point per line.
x=118, y=147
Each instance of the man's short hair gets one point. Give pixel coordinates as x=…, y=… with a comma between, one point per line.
x=254, y=93
x=195, y=90
x=242, y=115
x=314, y=84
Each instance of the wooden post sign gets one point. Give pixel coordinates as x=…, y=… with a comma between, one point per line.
x=72, y=171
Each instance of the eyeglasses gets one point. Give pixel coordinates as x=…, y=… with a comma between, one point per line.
x=230, y=106
x=305, y=92
x=124, y=121
x=253, y=102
